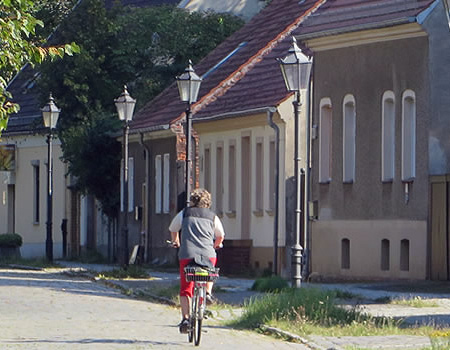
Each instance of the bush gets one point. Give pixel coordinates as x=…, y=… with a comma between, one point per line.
x=270, y=284
x=10, y=240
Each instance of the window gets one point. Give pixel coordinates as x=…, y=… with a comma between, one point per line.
x=158, y=184
x=207, y=169
x=272, y=166
x=408, y=136
x=345, y=254
x=388, y=137
x=259, y=178
x=36, y=190
x=385, y=253
x=130, y=186
x=219, y=178
x=232, y=176
x=404, y=255
x=166, y=183
x=349, y=139
x=325, y=135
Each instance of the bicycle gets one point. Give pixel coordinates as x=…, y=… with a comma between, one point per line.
x=200, y=276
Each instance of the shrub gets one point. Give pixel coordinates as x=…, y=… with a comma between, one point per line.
x=270, y=284
x=10, y=240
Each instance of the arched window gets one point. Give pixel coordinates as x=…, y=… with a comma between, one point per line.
x=388, y=137
x=408, y=135
x=325, y=137
x=349, y=139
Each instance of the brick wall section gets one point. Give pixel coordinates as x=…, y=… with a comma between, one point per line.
x=178, y=129
x=234, y=257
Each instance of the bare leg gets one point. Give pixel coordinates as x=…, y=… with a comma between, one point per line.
x=209, y=287
x=185, y=306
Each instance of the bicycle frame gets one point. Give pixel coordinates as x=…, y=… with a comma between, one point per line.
x=200, y=277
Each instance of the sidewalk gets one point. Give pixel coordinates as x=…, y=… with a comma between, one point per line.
x=236, y=292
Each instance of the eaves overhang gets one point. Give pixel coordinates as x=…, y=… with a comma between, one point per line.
x=234, y=114
x=361, y=35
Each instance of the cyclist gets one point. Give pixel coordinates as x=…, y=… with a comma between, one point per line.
x=201, y=234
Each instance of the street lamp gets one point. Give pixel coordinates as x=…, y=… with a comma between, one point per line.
x=50, y=114
x=296, y=69
x=188, y=87
x=125, y=107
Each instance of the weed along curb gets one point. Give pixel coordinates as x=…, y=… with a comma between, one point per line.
x=289, y=336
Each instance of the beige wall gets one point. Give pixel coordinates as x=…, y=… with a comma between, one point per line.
x=365, y=248
x=242, y=8
x=28, y=149
x=261, y=226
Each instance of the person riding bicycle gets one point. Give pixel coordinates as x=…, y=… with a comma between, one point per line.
x=201, y=234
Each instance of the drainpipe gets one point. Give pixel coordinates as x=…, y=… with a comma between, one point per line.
x=307, y=188
x=274, y=126
x=146, y=201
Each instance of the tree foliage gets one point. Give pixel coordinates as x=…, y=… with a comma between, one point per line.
x=19, y=45
x=144, y=48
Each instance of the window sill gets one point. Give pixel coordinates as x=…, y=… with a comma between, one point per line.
x=270, y=212
x=219, y=214
x=231, y=213
x=258, y=212
x=36, y=223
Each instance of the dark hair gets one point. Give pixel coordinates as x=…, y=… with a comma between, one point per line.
x=200, y=198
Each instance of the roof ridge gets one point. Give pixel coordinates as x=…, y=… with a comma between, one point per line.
x=231, y=80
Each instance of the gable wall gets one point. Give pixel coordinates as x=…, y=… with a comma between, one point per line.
x=367, y=211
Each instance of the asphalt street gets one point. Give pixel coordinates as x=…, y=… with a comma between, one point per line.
x=49, y=310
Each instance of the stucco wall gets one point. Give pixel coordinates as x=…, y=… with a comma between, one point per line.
x=365, y=248
x=367, y=72
x=242, y=8
x=32, y=148
x=365, y=209
x=262, y=227
x=439, y=63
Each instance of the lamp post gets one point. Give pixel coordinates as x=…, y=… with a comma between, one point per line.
x=125, y=107
x=296, y=69
x=50, y=114
x=188, y=87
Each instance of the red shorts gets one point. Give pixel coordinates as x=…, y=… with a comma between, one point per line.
x=187, y=288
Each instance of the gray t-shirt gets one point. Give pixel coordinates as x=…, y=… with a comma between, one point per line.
x=197, y=233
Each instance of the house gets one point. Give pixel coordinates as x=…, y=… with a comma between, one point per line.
x=380, y=148
x=242, y=93
x=23, y=185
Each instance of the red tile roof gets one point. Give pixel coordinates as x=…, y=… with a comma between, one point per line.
x=261, y=35
x=251, y=78
x=350, y=15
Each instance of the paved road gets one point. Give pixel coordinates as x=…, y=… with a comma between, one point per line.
x=49, y=310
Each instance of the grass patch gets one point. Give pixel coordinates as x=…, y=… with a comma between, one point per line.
x=417, y=302
x=33, y=263
x=313, y=311
x=133, y=271
x=270, y=284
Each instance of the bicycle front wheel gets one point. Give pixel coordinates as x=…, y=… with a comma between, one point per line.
x=197, y=331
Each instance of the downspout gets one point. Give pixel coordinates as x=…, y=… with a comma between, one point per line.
x=145, y=201
x=307, y=189
x=270, y=112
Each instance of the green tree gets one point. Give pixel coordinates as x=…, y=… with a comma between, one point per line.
x=142, y=47
x=17, y=33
